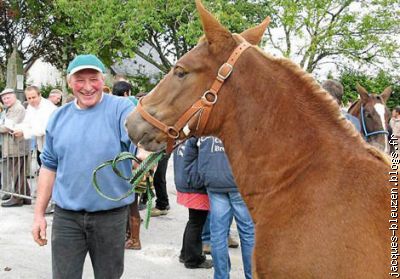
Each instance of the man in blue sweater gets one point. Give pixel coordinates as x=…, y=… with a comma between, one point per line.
x=79, y=137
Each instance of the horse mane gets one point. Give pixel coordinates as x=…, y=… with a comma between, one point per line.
x=329, y=103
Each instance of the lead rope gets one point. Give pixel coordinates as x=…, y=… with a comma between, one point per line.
x=144, y=167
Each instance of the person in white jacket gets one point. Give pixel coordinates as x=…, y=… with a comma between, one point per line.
x=37, y=115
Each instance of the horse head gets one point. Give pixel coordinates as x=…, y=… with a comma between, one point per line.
x=374, y=116
x=189, y=88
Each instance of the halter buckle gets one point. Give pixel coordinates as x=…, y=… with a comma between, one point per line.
x=205, y=101
x=224, y=71
x=172, y=132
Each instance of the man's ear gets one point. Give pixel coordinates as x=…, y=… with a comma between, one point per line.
x=254, y=35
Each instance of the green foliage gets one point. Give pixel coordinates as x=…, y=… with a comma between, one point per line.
x=115, y=29
x=2, y=85
x=143, y=83
x=335, y=31
x=373, y=84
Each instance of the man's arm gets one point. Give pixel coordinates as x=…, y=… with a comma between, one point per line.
x=45, y=187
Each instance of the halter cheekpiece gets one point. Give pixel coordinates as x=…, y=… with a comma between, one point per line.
x=201, y=107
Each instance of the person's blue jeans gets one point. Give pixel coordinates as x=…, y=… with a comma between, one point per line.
x=75, y=233
x=222, y=207
x=205, y=235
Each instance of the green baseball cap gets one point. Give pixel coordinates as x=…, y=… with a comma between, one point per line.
x=85, y=61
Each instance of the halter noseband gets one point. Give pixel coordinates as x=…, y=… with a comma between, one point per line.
x=201, y=107
x=364, y=127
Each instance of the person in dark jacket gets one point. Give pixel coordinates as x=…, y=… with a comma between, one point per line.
x=210, y=167
x=194, y=197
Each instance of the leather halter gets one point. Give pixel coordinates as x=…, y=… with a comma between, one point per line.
x=364, y=127
x=201, y=107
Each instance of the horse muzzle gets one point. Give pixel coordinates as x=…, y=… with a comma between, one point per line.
x=143, y=134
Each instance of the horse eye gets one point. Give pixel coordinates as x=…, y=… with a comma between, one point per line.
x=180, y=72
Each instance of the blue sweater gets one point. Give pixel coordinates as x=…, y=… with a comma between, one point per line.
x=77, y=141
x=208, y=165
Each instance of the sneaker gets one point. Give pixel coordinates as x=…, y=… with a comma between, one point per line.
x=155, y=212
x=206, y=264
x=232, y=243
x=207, y=249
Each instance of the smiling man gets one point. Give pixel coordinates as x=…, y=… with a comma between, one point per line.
x=79, y=137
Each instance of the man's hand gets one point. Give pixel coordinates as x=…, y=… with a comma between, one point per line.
x=17, y=133
x=39, y=230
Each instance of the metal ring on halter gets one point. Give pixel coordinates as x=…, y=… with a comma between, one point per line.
x=206, y=101
x=174, y=134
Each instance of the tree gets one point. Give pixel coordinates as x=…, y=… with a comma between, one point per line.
x=159, y=31
x=25, y=24
x=341, y=32
x=374, y=84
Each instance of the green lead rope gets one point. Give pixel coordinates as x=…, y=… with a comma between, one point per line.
x=137, y=176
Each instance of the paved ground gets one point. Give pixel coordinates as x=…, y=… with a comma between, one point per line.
x=21, y=258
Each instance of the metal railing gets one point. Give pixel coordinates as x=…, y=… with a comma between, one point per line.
x=18, y=166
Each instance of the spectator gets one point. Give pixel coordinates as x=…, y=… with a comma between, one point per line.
x=335, y=89
x=123, y=89
x=208, y=164
x=14, y=150
x=106, y=89
x=80, y=136
x=160, y=186
x=193, y=196
x=55, y=96
x=37, y=115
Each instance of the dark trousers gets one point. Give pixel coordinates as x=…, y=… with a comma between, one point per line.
x=160, y=184
x=75, y=233
x=192, y=248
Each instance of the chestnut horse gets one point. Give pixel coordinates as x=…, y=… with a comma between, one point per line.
x=317, y=192
x=374, y=116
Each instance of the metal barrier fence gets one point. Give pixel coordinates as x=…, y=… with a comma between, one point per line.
x=18, y=166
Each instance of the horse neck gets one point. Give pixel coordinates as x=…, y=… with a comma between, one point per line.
x=277, y=123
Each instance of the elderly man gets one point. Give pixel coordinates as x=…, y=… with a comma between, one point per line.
x=55, y=96
x=80, y=136
x=15, y=151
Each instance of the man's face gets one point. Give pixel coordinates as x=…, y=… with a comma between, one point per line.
x=87, y=86
x=9, y=99
x=55, y=99
x=33, y=98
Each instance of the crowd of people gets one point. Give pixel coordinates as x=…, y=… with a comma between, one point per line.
x=74, y=138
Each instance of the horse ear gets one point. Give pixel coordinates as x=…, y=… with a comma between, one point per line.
x=253, y=35
x=213, y=30
x=362, y=92
x=386, y=94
